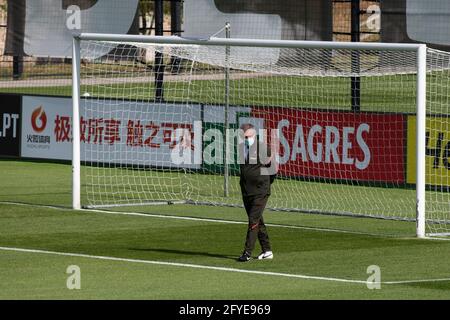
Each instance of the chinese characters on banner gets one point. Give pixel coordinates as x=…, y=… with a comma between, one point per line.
x=147, y=135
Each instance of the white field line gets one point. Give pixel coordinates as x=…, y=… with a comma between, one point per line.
x=416, y=281
x=162, y=216
x=202, y=266
x=176, y=264
x=206, y=267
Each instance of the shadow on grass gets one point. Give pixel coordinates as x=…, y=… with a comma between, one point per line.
x=438, y=285
x=186, y=252
x=38, y=204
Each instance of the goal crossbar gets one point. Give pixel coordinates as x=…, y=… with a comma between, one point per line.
x=238, y=42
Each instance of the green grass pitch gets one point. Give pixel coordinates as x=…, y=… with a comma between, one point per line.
x=316, y=256
x=304, y=92
x=163, y=256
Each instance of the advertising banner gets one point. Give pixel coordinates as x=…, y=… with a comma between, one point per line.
x=437, y=151
x=10, y=125
x=313, y=144
x=260, y=19
x=339, y=145
x=416, y=21
x=115, y=132
x=46, y=27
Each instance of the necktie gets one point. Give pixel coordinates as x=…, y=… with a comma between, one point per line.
x=247, y=152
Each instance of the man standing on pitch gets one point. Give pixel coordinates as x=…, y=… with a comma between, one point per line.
x=255, y=187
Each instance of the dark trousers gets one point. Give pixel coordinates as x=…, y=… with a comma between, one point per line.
x=254, y=206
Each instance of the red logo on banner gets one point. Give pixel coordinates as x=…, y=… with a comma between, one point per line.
x=39, y=119
x=339, y=145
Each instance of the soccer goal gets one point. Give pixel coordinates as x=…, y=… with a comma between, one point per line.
x=361, y=129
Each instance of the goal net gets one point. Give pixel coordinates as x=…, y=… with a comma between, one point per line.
x=159, y=124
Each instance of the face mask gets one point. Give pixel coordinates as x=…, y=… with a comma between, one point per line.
x=250, y=141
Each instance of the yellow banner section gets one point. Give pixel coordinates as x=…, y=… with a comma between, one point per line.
x=438, y=151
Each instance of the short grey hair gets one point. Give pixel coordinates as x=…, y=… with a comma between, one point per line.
x=247, y=126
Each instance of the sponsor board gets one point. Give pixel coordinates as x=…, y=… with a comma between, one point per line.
x=115, y=131
x=10, y=123
x=111, y=132
x=46, y=28
x=313, y=144
x=38, y=128
x=339, y=145
x=437, y=151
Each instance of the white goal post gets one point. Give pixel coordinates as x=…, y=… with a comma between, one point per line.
x=273, y=74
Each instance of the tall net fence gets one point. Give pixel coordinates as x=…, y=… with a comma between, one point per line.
x=27, y=70
x=35, y=37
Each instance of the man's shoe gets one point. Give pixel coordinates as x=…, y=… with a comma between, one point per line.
x=244, y=257
x=265, y=255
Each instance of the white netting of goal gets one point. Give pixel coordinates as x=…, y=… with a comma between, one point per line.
x=345, y=119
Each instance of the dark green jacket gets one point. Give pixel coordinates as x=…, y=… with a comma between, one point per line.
x=252, y=182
